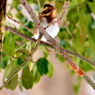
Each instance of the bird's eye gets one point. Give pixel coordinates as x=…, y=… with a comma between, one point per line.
x=48, y=10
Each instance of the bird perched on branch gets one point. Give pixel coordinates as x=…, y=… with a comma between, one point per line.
x=47, y=17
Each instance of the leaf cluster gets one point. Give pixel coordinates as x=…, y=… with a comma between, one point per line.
x=76, y=34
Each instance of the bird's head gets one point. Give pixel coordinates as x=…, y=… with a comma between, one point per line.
x=49, y=10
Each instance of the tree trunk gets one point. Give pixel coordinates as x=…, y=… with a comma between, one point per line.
x=2, y=19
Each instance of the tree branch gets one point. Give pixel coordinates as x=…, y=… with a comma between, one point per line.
x=61, y=50
x=89, y=81
x=2, y=20
x=14, y=31
x=20, y=24
x=22, y=65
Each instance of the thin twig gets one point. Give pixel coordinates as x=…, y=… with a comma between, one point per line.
x=22, y=65
x=2, y=56
x=7, y=28
x=89, y=81
x=20, y=24
x=75, y=54
x=81, y=57
x=55, y=44
x=14, y=31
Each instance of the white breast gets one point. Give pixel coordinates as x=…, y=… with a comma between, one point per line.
x=52, y=30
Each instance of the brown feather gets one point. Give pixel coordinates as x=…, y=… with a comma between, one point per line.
x=48, y=12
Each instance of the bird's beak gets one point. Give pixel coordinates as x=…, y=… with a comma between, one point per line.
x=54, y=12
x=54, y=9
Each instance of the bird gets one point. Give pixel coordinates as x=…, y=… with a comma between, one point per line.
x=47, y=16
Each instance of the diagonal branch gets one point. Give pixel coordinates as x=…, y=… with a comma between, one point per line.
x=22, y=65
x=20, y=24
x=7, y=28
x=61, y=50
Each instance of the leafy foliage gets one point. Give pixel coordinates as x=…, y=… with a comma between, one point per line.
x=42, y=66
x=77, y=85
x=27, y=78
x=76, y=34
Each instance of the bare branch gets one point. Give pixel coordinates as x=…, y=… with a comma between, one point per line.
x=47, y=44
x=20, y=24
x=22, y=65
x=54, y=43
x=81, y=57
x=7, y=28
x=89, y=81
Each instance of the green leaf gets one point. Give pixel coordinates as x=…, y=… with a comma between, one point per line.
x=17, y=38
x=88, y=10
x=50, y=0
x=19, y=8
x=30, y=1
x=77, y=85
x=19, y=15
x=92, y=44
x=92, y=37
x=46, y=53
x=35, y=1
x=72, y=15
x=19, y=61
x=92, y=6
x=42, y=66
x=72, y=72
x=77, y=42
x=60, y=57
x=22, y=54
x=50, y=70
x=23, y=51
x=8, y=71
x=92, y=23
x=4, y=62
x=20, y=84
x=9, y=45
x=71, y=27
x=24, y=20
x=74, y=3
x=10, y=68
x=91, y=32
x=84, y=20
x=13, y=83
x=27, y=78
x=93, y=57
x=15, y=3
x=63, y=33
x=36, y=75
x=85, y=66
x=42, y=2
x=59, y=5
x=65, y=44
x=28, y=24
